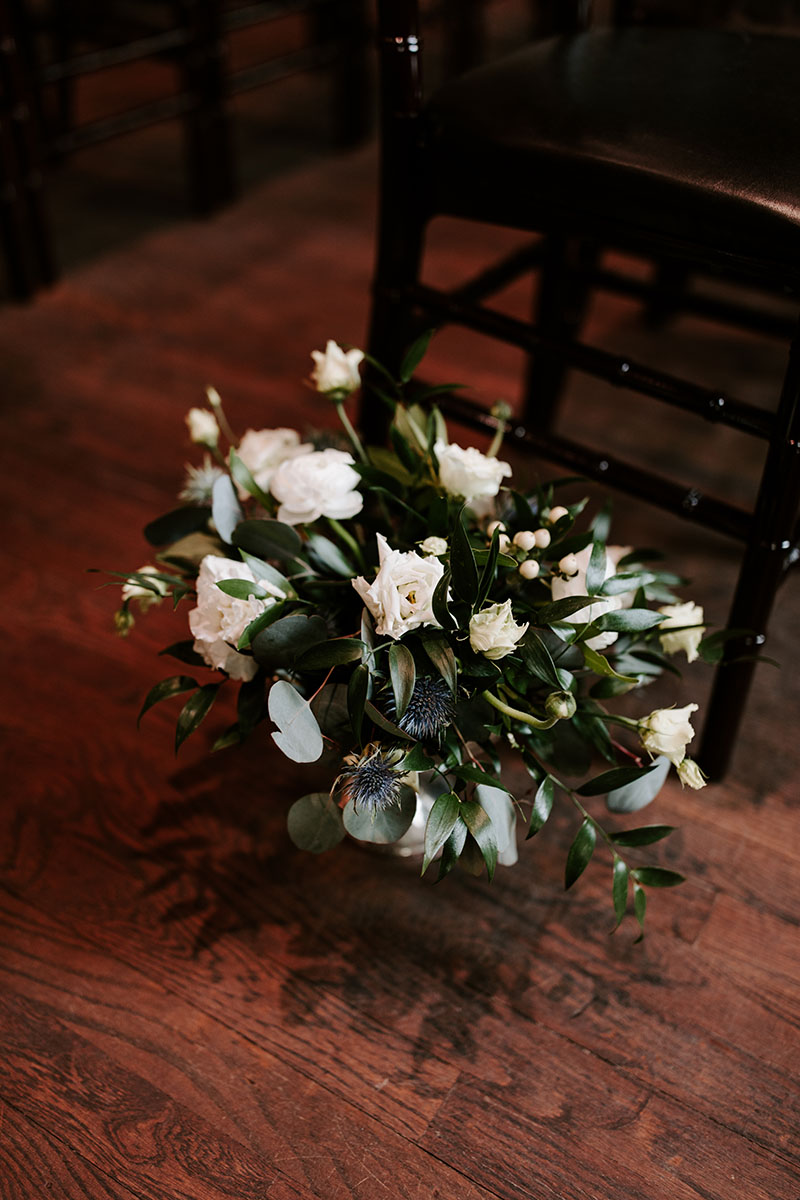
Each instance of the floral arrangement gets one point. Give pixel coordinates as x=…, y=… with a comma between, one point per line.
x=403, y=614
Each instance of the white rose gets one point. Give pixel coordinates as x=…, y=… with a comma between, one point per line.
x=434, y=545
x=263, y=450
x=320, y=484
x=493, y=631
x=336, y=370
x=203, y=427
x=576, y=586
x=220, y=620
x=685, y=639
x=668, y=731
x=131, y=590
x=690, y=774
x=468, y=473
x=401, y=595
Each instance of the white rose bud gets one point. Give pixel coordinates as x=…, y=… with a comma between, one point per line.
x=336, y=370
x=400, y=596
x=576, y=586
x=469, y=474
x=320, y=484
x=690, y=774
x=529, y=569
x=668, y=731
x=131, y=590
x=684, y=639
x=555, y=514
x=542, y=538
x=263, y=450
x=434, y=545
x=493, y=631
x=525, y=540
x=220, y=620
x=203, y=427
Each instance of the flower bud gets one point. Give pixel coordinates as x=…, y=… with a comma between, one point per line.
x=336, y=370
x=529, y=569
x=568, y=565
x=542, y=538
x=557, y=513
x=560, y=705
x=203, y=427
x=525, y=539
x=690, y=774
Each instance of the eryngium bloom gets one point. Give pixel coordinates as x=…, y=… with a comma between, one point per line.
x=430, y=709
x=373, y=780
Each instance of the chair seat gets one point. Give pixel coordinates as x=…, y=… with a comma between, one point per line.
x=688, y=135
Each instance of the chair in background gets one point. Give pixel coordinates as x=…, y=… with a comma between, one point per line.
x=677, y=144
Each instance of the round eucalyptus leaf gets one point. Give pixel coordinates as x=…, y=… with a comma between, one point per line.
x=225, y=507
x=286, y=639
x=298, y=735
x=315, y=823
x=385, y=826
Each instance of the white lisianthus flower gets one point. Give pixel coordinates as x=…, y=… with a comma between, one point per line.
x=468, y=473
x=576, y=586
x=688, y=614
x=434, y=545
x=493, y=631
x=668, y=731
x=336, y=370
x=203, y=427
x=400, y=596
x=263, y=450
x=220, y=620
x=131, y=590
x=320, y=484
x=690, y=774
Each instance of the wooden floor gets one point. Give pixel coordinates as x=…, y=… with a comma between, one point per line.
x=190, y=1007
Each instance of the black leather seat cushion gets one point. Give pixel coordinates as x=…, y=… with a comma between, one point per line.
x=690, y=134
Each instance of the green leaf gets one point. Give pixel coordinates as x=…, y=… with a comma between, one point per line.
x=241, y=589
x=619, y=888
x=177, y=524
x=658, y=877
x=403, y=674
x=286, y=639
x=185, y=653
x=404, y=449
x=250, y=704
x=561, y=609
x=712, y=648
x=417, y=759
x=633, y=796
x=628, y=620
x=226, y=511
x=499, y=807
x=479, y=824
x=315, y=823
x=601, y=666
x=271, y=614
x=414, y=355
x=542, y=805
x=331, y=654
x=439, y=651
x=601, y=525
x=384, y=723
x=242, y=475
x=579, y=853
x=618, y=585
x=609, y=781
x=639, y=907
x=193, y=712
x=453, y=847
x=267, y=539
x=231, y=737
x=645, y=835
x=596, y=571
x=164, y=690
x=298, y=735
x=357, y=690
x=538, y=659
x=462, y=562
x=326, y=554
x=473, y=774
x=385, y=826
x=489, y=572
x=439, y=602
x=441, y=823
x=266, y=573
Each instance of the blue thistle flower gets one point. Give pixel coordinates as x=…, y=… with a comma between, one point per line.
x=373, y=780
x=430, y=709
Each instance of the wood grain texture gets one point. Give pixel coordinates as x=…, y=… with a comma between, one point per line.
x=191, y=1007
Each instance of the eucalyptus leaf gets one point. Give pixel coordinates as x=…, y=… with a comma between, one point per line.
x=315, y=823
x=243, y=477
x=580, y=852
x=384, y=826
x=226, y=511
x=267, y=539
x=638, y=793
x=267, y=573
x=334, y=653
x=298, y=735
x=286, y=639
x=326, y=554
x=268, y=617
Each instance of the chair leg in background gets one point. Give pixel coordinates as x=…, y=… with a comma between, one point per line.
x=209, y=147
x=344, y=23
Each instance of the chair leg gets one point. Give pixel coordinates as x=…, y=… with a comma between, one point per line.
x=562, y=298
x=344, y=22
x=763, y=567
x=209, y=146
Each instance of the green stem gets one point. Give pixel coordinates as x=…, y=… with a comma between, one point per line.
x=517, y=714
x=351, y=433
x=347, y=538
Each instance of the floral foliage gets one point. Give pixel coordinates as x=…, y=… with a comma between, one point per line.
x=411, y=612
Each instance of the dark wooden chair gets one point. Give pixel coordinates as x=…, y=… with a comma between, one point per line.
x=679, y=144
